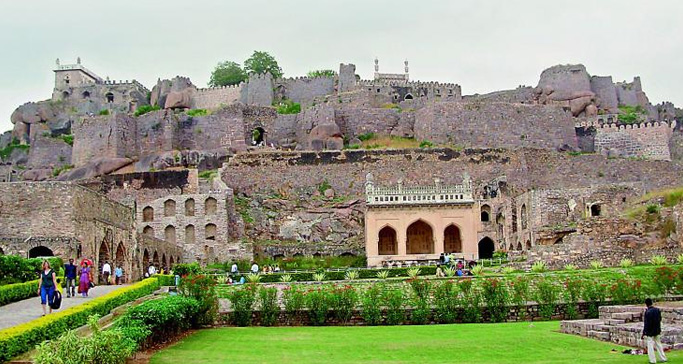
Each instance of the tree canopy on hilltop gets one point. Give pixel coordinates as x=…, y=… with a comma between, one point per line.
x=262, y=62
x=227, y=73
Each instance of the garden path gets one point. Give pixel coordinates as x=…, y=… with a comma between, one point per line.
x=29, y=309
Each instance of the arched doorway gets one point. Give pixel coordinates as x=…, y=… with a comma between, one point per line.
x=40, y=251
x=486, y=248
x=164, y=266
x=388, y=245
x=171, y=263
x=210, y=206
x=420, y=238
x=148, y=214
x=452, y=241
x=347, y=254
x=145, y=260
x=189, y=207
x=519, y=246
x=109, y=96
x=120, y=255
x=485, y=213
x=528, y=244
x=155, y=260
x=524, y=217
x=169, y=234
x=258, y=136
x=595, y=210
x=149, y=231
x=103, y=257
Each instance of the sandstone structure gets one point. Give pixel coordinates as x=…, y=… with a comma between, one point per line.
x=211, y=174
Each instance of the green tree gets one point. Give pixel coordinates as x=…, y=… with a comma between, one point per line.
x=262, y=62
x=227, y=73
x=321, y=73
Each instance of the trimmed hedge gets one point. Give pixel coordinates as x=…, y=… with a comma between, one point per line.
x=16, y=269
x=17, y=292
x=22, y=338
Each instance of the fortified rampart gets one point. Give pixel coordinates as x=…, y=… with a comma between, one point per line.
x=208, y=98
x=645, y=140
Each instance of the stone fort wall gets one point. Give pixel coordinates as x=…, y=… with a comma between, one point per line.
x=208, y=98
x=646, y=140
x=525, y=169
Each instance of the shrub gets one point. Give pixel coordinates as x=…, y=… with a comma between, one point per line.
x=596, y=264
x=319, y=277
x=344, y=300
x=477, y=270
x=108, y=346
x=14, y=144
x=595, y=294
x=665, y=279
x=394, y=300
x=627, y=291
x=383, y=274
x=318, y=304
x=496, y=296
x=570, y=267
x=144, y=109
x=209, y=174
x=16, y=269
x=285, y=278
x=253, y=278
x=421, y=310
x=269, y=306
x=426, y=144
x=242, y=300
x=421, y=287
x=160, y=319
x=658, y=260
x=17, y=292
x=104, y=112
x=539, y=267
x=652, y=208
x=519, y=291
x=413, y=272
x=293, y=299
x=572, y=293
x=186, y=269
x=469, y=299
x=445, y=302
x=203, y=289
x=68, y=139
x=370, y=304
x=626, y=263
x=197, y=112
x=351, y=275
x=449, y=272
x=508, y=270
x=546, y=296
x=321, y=73
x=367, y=136
x=288, y=107
x=679, y=258
x=21, y=338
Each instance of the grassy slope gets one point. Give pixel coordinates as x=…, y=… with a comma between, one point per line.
x=471, y=343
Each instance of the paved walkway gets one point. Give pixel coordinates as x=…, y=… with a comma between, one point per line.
x=24, y=311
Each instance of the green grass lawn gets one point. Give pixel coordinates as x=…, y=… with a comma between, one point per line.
x=460, y=343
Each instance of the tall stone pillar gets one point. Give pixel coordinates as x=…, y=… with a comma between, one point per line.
x=402, y=241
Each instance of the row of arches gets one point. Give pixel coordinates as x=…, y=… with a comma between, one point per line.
x=210, y=208
x=519, y=246
x=159, y=261
x=210, y=232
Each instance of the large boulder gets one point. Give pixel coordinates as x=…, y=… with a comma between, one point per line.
x=33, y=112
x=181, y=94
x=326, y=136
x=565, y=82
x=37, y=174
x=159, y=92
x=94, y=168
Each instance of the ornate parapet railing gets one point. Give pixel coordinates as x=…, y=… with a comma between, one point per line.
x=436, y=194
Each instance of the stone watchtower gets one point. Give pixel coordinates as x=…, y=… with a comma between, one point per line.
x=69, y=76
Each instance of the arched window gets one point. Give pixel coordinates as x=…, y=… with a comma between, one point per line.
x=149, y=231
x=485, y=213
x=65, y=95
x=420, y=238
x=120, y=254
x=388, y=245
x=86, y=94
x=210, y=206
x=169, y=234
x=155, y=260
x=528, y=244
x=595, y=210
x=189, y=207
x=210, y=232
x=109, y=96
x=169, y=208
x=189, y=234
x=148, y=214
x=145, y=259
x=452, y=242
x=258, y=136
x=408, y=97
x=524, y=217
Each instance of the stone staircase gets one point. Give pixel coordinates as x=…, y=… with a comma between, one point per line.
x=623, y=325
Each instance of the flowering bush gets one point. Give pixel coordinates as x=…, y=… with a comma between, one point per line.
x=496, y=296
x=572, y=293
x=421, y=287
x=293, y=299
x=203, y=289
x=344, y=300
x=595, y=294
x=446, y=302
x=469, y=299
x=547, y=297
x=370, y=303
x=519, y=291
x=269, y=306
x=242, y=301
x=627, y=291
x=318, y=304
x=665, y=279
x=394, y=300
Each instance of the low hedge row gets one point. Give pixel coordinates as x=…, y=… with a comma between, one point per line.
x=18, y=291
x=340, y=275
x=16, y=269
x=22, y=338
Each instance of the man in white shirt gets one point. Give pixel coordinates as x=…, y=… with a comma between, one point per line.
x=152, y=271
x=106, y=272
x=254, y=268
x=233, y=269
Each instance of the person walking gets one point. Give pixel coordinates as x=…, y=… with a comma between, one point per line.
x=652, y=328
x=70, y=272
x=233, y=269
x=46, y=285
x=254, y=268
x=85, y=279
x=151, y=270
x=106, y=272
x=118, y=273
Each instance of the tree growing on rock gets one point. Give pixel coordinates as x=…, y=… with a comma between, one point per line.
x=262, y=62
x=227, y=73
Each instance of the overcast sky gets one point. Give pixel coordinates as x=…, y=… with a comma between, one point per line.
x=482, y=45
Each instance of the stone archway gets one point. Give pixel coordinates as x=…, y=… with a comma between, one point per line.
x=452, y=239
x=486, y=248
x=388, y=244
x=519, y=246
x=155, y=260
x=171, y=263
x=40, y=251
x=528, y=244
x=164, y=266
x=103, y=257
x=420, y=238
x=485, y=213
x=145, y=260
x=258, y=136
x=120, y=256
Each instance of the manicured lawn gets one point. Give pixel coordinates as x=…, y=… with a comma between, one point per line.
x=465, y=343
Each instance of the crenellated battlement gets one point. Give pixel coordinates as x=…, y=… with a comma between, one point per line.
x=391, y=83
x=221, y=88
x=606, y=126
x=302, y=78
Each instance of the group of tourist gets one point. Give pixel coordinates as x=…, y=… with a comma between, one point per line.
x=448, y=261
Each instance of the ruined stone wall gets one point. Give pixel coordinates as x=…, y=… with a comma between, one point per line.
x=258, y=90
x=520, y=95
x=36, y=209
x=155, y=131
x=605, y=93
x=647, y=140
x=210, y=98
x=525, y=169
x=486, y=125
x=347, y=77
x=304, y=89
x=385, y=121
x=107, y=136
